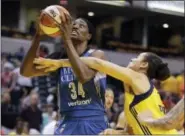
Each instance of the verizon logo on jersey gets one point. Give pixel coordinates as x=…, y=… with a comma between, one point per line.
x=83, y=102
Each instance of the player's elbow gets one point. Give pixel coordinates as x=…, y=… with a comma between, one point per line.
x=83, y=78
x=84, y=74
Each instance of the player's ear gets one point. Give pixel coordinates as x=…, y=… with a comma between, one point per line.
x=89, y=36
x=144, y=65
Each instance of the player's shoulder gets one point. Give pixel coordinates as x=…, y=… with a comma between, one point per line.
x=99, y=54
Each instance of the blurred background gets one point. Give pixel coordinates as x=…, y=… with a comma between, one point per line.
x=124, y=28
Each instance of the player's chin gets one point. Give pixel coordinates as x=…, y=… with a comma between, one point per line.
x=74, y=37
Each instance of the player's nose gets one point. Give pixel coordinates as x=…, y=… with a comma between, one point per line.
x=75, y=26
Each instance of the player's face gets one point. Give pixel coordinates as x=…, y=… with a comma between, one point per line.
x=80, y=30
x=138, y=62
x=109, y=99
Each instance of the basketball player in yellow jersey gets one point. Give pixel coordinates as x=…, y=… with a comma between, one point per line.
x=140, y=94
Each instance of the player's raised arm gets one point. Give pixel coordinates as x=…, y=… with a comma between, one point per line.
x=28, y=68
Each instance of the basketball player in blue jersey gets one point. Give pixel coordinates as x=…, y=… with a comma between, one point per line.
x=81, y=89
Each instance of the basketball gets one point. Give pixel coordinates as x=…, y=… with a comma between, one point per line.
x=48, y=18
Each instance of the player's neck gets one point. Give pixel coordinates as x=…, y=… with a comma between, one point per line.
x=81, y=47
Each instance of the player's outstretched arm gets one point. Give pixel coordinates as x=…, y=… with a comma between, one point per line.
x=28, y=68
x=124, y=74
x=170, y=120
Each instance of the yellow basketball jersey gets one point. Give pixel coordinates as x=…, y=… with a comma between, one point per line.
x=135, y=104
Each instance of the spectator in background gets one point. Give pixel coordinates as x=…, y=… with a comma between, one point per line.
x=26, y=128
x=25, y=102
x=180, y=80
x=48, y=115
x=6, y=76
x=32, y=114
x=20, y=53
x=168, y=101
x=18, y=128
x=176, y=42
x=49, y=128
x=170, y=85
x=9, y=113
x=21, y=80
x=18, y=83
x=116, y=112
x=32, y=28
x=43, y=51
x=4, y=59
x=121, y=101
x=109, y=98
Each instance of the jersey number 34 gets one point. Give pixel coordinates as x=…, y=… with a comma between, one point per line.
x=76, y=90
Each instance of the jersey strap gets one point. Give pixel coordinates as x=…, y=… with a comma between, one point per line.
x=138, y=98
x=89, y=52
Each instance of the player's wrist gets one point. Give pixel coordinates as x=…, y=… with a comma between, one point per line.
x=68, y=42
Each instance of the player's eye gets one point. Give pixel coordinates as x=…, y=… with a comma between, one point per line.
x=81, y=26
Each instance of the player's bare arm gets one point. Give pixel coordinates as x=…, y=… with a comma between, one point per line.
x=170, y=120
x=28, y=68
x=82, y=71
x=122, y=73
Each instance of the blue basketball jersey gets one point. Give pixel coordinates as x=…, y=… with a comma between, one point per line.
x=81, y=100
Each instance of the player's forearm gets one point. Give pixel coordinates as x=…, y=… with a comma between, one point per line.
x=106, y=67
x=171, y=119
x=27, y=68
x=175, y=115
x=78, y=66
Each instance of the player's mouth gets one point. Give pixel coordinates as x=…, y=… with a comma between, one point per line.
x=108, y=103
x=74, y=32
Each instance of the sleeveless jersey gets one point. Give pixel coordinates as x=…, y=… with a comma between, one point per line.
x=135, y=104
x=81, y=100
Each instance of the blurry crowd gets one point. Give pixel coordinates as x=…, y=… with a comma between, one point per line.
x=29, y=105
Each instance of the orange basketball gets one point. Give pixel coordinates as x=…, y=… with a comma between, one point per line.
x=48, y=18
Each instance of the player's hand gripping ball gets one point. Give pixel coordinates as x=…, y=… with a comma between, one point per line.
x=49, y=17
